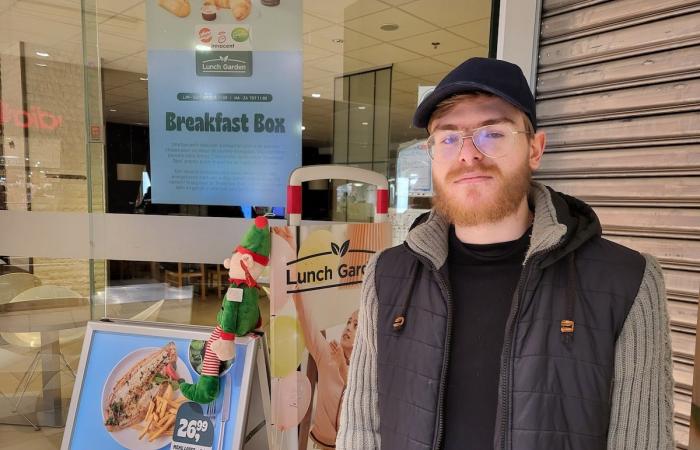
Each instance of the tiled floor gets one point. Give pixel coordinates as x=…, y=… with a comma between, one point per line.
x=14, y=361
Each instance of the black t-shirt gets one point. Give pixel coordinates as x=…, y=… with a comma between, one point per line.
x=483, y=278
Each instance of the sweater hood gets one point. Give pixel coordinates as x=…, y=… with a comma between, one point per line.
x=561, y=225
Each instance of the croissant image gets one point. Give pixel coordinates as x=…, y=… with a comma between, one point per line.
x=180, y=8
x=240, y=9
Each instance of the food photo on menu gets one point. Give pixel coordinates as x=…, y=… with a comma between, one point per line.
x=141, y=397
x=146, y=397
x=130, y=395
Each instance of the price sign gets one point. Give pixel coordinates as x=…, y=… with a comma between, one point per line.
x=193, y=430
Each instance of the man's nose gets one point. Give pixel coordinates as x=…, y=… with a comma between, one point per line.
x=469, y=152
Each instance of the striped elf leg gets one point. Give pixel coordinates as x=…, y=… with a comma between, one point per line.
x=211, y=363
x=207, y=387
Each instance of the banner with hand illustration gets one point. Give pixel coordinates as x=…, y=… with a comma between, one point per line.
x=315, y=281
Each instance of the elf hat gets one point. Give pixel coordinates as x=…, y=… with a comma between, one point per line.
x=256, y=241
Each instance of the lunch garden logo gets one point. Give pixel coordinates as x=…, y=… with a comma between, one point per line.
x=224, y=64
x=324, y=270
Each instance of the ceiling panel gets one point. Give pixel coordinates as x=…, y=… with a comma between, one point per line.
x=339, y=11
x=422, y=66
x=456, y=58
x=111, y=7
x=396, y=2
x=477, y=31
x=383, y=54
x=409, y=85
x=111, y=99
x=352, y=40
x=339, y=64
x=409, y=25
x=310, y=53
x=313, y=73
x=313, y=23
x=133, y=91
x=447, y=13
x=425, y=44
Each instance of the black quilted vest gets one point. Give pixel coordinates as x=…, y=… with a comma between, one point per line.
x=554, y=386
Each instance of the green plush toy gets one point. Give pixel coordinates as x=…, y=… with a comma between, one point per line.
x=239, y=313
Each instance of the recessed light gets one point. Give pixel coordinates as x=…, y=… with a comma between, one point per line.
x=303, y=128
x=365, y=123
x=389, y=27
x=316, y=95
x=337, y=41
x=143, y=78
x=42, y=54
x=112, y=110
x=41, y=65
x=361, y=107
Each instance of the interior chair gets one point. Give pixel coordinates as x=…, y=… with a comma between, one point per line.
x=187, y=272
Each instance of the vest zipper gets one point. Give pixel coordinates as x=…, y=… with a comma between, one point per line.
x=506, y=360
x=445, y=361
x=439, y=429
x=505, y=378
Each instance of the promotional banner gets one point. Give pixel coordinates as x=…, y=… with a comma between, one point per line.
x=224, y=94
x=127, y=392
x=315, y=280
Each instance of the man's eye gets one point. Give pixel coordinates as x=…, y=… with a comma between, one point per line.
x=450, y=139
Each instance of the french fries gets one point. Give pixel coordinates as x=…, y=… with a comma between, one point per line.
x=160, y=416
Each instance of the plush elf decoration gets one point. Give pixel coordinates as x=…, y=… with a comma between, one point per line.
x=239, y=313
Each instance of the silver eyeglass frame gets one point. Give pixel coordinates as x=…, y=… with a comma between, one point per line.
x=463, y=135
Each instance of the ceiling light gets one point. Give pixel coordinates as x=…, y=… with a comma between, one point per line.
x=365, y=123
x=361, y=107
x=337, y=41
x=41, y=65
x=389, y=27
x=112, y=110
x=43, y=54
x=303, y=128
x=316, y=95
x=143, y=78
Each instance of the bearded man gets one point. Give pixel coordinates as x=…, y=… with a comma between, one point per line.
x=505, y=321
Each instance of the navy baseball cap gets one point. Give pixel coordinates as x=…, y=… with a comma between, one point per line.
x=495, y=76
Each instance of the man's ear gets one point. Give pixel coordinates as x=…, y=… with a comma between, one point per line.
x=537, y=144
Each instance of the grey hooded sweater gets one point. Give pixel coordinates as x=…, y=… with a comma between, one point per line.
x=638, y=406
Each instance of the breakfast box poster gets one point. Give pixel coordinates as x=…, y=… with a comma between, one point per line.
x=315, y=283
x=224, y=98
x=127, y=395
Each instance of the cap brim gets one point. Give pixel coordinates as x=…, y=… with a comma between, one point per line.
x=429, y=103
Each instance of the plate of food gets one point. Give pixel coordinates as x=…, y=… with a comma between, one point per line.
x=141, y=397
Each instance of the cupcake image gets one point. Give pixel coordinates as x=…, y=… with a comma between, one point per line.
x=209, y=12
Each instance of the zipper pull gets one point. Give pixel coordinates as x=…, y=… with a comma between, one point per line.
x=567, y=330
x=399, y=322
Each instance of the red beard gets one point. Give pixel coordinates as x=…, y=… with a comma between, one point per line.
x=470, y=208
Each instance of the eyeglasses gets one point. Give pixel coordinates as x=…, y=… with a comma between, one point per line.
x=493, y=141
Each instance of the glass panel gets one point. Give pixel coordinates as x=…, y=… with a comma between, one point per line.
x=44, y=305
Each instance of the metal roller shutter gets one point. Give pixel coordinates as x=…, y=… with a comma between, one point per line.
x=618, y=94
